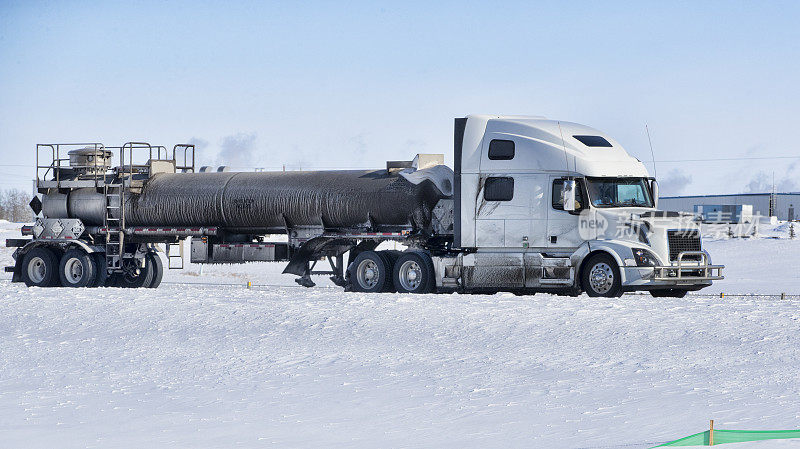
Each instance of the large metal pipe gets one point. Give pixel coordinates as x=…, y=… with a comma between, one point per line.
x=270, y=200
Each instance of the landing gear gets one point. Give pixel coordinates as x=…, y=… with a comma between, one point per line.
x=337, y=272
x=305, y=281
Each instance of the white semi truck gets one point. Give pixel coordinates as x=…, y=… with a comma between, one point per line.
x=532, y=205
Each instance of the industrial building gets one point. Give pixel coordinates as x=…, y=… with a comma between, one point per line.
x=784, y=206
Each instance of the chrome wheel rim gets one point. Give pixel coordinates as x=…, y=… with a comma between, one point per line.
x=367, y=274
x=73, y=270
x=410, y=275
x=37, y=270
x=601, y=277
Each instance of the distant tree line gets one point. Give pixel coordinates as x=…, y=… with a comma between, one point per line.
x=14, y=205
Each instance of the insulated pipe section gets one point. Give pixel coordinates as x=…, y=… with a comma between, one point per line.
x=268, y=200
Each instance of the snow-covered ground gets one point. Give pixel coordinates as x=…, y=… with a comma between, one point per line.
x=205, y=362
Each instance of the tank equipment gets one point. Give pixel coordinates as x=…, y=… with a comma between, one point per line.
x=90, y=161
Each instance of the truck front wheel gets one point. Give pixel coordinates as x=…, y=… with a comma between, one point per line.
x=600, y=277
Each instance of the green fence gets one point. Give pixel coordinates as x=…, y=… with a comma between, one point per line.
x=731, y=436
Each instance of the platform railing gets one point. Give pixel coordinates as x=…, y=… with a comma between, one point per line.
x=56, y=163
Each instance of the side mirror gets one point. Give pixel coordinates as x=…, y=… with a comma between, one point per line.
x=568, y=195
x=655, y=193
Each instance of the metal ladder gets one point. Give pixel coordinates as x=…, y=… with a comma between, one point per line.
x=114, y=226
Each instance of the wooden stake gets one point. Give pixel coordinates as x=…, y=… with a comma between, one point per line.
x=711, y=434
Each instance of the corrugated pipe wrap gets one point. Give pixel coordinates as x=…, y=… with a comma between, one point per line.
x=265, y=200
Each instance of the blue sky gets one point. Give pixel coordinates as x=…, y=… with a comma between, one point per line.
x=352, y=84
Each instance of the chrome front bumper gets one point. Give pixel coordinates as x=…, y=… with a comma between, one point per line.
x=684, y=272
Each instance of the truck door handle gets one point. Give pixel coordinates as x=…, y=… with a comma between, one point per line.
x=553, y=238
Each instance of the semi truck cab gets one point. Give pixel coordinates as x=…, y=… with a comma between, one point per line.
x=544, y=204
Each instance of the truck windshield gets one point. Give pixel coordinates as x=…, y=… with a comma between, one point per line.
x=619, y=192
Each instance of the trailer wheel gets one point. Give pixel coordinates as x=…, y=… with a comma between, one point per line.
x=101, y=277
x=600, y=277
x=668, y=293
x=134, y=276
x=414, y=273
x=154, y=260
x=77, y=269
x=40, y=268
x=369, y=273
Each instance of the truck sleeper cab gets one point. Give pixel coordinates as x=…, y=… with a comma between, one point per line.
x=549, y=205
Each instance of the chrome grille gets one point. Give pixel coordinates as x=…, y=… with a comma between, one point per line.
x=683, y=240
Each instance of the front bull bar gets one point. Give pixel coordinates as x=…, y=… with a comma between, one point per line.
x=689, y=272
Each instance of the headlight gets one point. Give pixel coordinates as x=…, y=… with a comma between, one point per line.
x=644, y=258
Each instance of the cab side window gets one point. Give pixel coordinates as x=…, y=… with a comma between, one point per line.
x=498, y=189
x=558, y=201
x=501, y=150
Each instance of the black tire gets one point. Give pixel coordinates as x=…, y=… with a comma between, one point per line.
x=101, y=278
x=369, y=274
x=134, y=276
x=606, y=282
x=77, y=269
x=112, y=280
x=418, y=264
x=392, y=254
x=390, y=258
x=668, y=293
x=154, y=260
x=40, y=268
